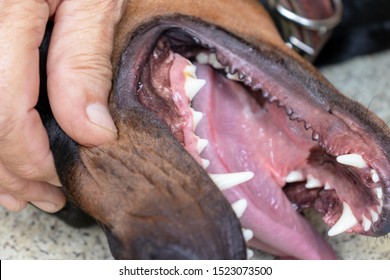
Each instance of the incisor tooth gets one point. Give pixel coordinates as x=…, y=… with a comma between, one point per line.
x=312, y=182
x=202, y=58
x=374, y=215
x=229, y=180
x=239, y=207
x=374, y=176
x=192, y=86
x=354, y=160
x=247, y=233
x=196, y=117
x=201, y=144
x=346, y=221
x=294, y=176
x=366, y=223
x=214, y=61
x=379, y=192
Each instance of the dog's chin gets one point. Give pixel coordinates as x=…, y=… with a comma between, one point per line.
x=291, y=140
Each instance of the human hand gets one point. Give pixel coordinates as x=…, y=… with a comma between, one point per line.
x=79, y=79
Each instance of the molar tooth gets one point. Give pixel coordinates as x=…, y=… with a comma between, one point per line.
x=346, y=221
x=192, y=86
x=374, y=176
x=374, y=215
x=247, y=233
x=239, y=207
x=214, y=61
x=202, y=143
x=202, y=58
x=366, y=223
x=294, y=176
x=229, y=180
x=233, y=77
x=379, y=193
x=190, y=70
x=312, y=182
x=249, y=253
x=196, y=117
x=354, y=160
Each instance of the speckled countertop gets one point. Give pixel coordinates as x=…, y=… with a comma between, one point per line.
x=32, y=234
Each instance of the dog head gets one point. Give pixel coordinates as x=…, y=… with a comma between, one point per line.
x=291, y=140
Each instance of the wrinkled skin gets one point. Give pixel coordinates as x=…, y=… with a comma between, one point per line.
x=150, y=196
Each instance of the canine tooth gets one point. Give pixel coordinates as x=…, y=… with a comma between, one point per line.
x=354, y=160
x=239, y=207
x=346, y=221
x=294, y=176
x=379, y=192
x=374, y=215
x=249, y=253
x=202, y=58
x=214, y=61
x=374, y=176
x=196, y=117
x=379, y=208
x=366, y=223
x=233, y=77
x=205, y=163
x=312, y=182
x=229, y=180
x=247, y=233
x=192, y=86
x=202, y=143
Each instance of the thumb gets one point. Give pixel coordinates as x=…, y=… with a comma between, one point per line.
x=79, y=69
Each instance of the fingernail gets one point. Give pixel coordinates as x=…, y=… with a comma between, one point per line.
x=11, y=203
x=46, y=206
x=99, y=115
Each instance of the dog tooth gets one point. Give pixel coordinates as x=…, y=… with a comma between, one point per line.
x=379, y=208
x=202, y=58
x=192, y=86
x=327, y=187
x=202, y=143
x=312, y=182
x=294, y=176
x=366, y=223
x=249, y=253
x=379, y=192
x=247, y=233
x=229, y=180
x=190, y=70
x=196, y=117
x=374, y=215
x=354, y=160
x=205, y=163
x=346, y=221
x=374, y=176
x=214, y=61
x=239, y=207
x=233, y=77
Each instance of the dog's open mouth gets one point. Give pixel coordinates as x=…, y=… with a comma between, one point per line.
x=271, y=138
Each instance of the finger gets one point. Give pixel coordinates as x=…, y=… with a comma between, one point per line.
x=24, y=146
x=43, y=195
x=11, y=203
x=79, y=69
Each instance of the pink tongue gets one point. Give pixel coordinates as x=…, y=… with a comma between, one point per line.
x=244, y=138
